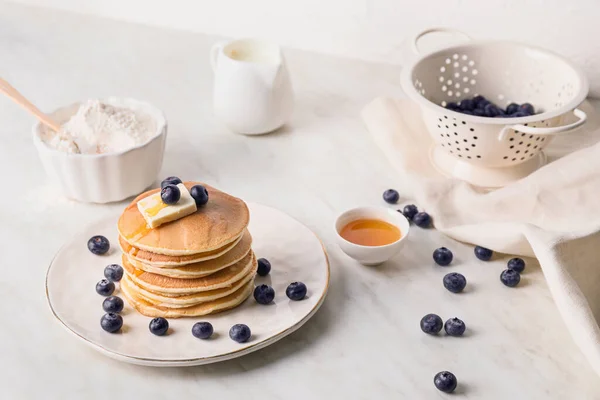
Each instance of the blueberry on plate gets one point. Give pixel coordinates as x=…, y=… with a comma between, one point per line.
x=442, y=256
x=482, y=253
x=264, y=294
x=510, y=277
x=105, y=287
x=264, y=267
x=296, y=291
x=527, y=108
x=170, y=194
x=391, y=196
x=111, y=322
x=410, y=211
x=516, y=264
x=445, y=381
x=512, y=108
x=172, y=180
x=113, y=272
x=113, y=304
x=98, y=245
x=467, y=105
x=240, y=333
x=431, y=324
x=202, y=330
x=422, y=220
x=454, y=327
x=455, y=282
x=199, y=194
x=159, y=326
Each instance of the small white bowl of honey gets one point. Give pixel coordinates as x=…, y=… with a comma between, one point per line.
x=371, y=235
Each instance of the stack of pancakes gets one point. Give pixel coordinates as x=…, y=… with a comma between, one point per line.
x=196, y=265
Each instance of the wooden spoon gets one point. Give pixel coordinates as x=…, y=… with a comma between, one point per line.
x=18, y=98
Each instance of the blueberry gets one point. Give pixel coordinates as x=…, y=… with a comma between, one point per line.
x=512, y=108
x=452, y=106
x=264, y=267
x=467, y=105
x=264, y=294
x=240, y=333
x=410, y=211
x=113, y=304
x=170, y=194
x=519, y=114
x=455, y=282
x=202, y=330
x=113, y=272
x=296, y=291
x=445, y=381
x=491, y=110
x=482, y=253
x=516, y=264
x=431, y=324
x=442, y=256
x=454, y=327
x=479, y=112
x=199, y=194
x=467, y=112
x=510, y=277
x=527, y=108
x=391, y=196
x=159, y=326
x=111, y=322
x=479, y=100
x=172, y=180
x=105, y=287
x=98, y=245
x=422, y=220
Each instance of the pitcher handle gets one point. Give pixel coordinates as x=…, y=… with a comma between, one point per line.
x=417, y=39
x=214, y=54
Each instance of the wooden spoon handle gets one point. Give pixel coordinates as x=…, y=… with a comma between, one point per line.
x=18, y=98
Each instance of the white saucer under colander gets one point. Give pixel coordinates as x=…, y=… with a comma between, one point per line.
x=493, y=152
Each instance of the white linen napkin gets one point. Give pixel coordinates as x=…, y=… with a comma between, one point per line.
x=553, y=214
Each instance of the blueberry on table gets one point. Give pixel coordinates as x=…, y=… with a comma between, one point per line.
x=105, y=287
x=442, y=256
x=512, y=108
x=510, y=277
x=422, y=220
x=410, y=211
x=111, y=322
x=199, y=194
x=113, y=272
x=159, y=326
x=527, y=108
x=264, y=267
x=391, y=196
x=98, y=245
x=516, y=264
x=296, y=291
x=113, y=304
x=454, y=327
x=240, y=333
x=445, y=381
x=202, y=330
x=170, y=194
x=264, y=294
x=482, y=253
x=455, y=282
x=172, y=180
x=431, y=324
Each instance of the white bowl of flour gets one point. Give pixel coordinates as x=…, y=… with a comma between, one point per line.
x=107, y=150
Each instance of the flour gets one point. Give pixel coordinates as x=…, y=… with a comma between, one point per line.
x=101, y=128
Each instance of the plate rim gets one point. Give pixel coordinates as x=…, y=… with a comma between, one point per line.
x=198, y=360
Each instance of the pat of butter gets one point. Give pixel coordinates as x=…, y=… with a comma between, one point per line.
x=156, y=212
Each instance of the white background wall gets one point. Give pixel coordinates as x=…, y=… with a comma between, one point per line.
x=376, y=30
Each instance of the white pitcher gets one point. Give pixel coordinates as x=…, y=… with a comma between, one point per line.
x=252, y=91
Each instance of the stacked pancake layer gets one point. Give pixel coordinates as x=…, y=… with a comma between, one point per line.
x=197, y=265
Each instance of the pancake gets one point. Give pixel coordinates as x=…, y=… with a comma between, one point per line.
x=187, y=300
x=224, y=303
x=215, y=225
x=226, y=255
x=172, y=286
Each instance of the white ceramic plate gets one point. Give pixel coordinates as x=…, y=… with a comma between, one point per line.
x=295, y=253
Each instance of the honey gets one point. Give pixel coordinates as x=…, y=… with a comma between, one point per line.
x=139, y=233
x=370, y=232
x=155, y=209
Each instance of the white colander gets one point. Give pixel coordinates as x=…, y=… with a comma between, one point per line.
x=492, y=152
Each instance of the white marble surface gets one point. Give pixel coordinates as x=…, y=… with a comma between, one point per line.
x=364, y=343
